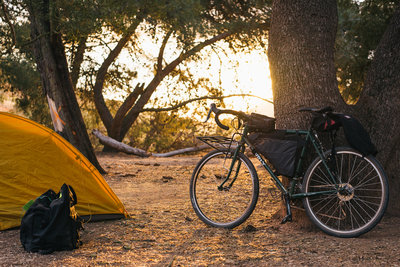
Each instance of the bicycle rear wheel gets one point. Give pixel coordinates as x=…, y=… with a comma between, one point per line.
x=360, y=200
x=225, y=207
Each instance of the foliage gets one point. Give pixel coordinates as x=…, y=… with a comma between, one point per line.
x=23, y=81
x=18, y=73
x=162, y=132
x=163, y=41
x=360, y=27
x=100, y=26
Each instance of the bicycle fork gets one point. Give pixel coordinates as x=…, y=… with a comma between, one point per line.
x=234, y=159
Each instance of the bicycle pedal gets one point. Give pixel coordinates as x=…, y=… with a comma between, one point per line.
x=287, y=218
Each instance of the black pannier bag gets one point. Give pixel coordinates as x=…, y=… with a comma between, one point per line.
x=280, y=149
x=260, y=123
x=51, y=222
x=357, y=137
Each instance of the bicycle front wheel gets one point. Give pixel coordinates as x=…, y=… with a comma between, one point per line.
x=229, y=205
x=360, y=199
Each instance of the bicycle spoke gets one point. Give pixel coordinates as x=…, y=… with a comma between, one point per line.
x=360, y=200
x=354, y=170
x=228, y=205
x=366, y=183
x=325, y=179
x=371, y=189
x=350, y=180
x=328, y=202
x=352, y=216
x=366, y=202
x=336, y=208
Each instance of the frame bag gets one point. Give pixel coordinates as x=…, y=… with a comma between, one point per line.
x=280, y=149
x=260, y=123
x=51, y=222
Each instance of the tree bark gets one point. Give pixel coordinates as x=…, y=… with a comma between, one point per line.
x=301, y=59
x=53, y=68
x=379, y=105
x=78, y=60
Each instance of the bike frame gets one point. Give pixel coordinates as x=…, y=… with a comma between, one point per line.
x=288, y=192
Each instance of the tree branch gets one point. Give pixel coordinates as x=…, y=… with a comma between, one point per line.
x=123, y=109
x=105, y=140
x=133, y=113
x=77, y=60
x=108, y=141
x=99, y=101
x=8, y=21
x=181, y=151
x=171, y=66
x=198, y=99
x=162, y=49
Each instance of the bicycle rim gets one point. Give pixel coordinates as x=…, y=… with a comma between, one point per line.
x=228, y=207
x=360, y=200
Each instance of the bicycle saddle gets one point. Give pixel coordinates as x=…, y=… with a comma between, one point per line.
x=317, y=110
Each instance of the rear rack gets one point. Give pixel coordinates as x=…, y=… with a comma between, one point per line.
x=218, y=142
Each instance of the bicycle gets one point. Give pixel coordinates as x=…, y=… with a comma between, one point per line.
x=344, y=193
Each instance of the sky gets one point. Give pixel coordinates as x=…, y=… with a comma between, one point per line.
x=253, y=78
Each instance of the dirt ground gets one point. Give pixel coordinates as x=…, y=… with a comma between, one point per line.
x=165, y=231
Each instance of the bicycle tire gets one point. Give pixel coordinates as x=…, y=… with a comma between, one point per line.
x=361, y=198
x=223, y=208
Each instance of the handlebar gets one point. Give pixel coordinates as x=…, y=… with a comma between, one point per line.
x=244, y=117
x=213, y=108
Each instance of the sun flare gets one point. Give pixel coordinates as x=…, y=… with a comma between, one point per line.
x=253, y=78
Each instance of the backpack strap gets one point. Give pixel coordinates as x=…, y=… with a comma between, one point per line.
x=70, y=192
x=75, y=199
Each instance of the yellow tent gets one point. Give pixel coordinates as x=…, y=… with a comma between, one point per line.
x=34, y=159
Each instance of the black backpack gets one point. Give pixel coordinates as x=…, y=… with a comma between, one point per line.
x=51, y=222
x=356, y=135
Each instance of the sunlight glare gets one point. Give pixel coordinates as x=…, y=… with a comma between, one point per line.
x=233, y=73
x=253, y=78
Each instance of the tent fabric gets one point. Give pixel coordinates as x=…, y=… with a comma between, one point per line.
x=34, y=159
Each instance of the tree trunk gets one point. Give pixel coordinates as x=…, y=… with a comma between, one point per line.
x=379, y=106
x=52, y=65
x=301, y=59
x=301, y=54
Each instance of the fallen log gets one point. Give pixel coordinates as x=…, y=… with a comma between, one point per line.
x=181, y=151
x=121, y=147
x=108, y=141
